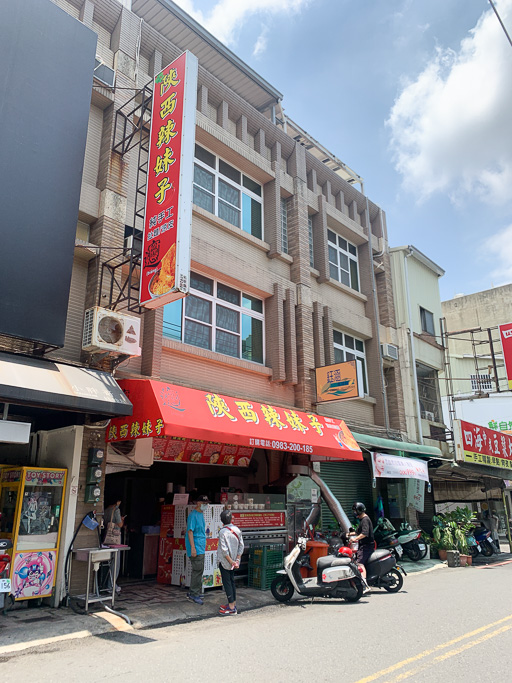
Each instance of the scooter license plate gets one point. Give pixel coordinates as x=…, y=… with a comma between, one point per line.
x=399, y=550
x=421, y=546
x=5, y=585
x=479, y=548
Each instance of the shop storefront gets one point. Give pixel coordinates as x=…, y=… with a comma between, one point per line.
x=45, y=406
x=241, y=453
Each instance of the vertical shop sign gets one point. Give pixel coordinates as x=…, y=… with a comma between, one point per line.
x=165, y=269
x=506, y=345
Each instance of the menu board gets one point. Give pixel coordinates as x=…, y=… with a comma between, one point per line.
x=206, y=452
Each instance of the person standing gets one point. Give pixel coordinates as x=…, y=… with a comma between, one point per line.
x=229, y=552
x=195, y=541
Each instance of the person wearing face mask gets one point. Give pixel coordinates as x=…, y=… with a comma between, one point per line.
x=195, y=541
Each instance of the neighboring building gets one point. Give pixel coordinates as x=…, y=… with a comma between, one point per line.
x=421, y=352
x=290, y=271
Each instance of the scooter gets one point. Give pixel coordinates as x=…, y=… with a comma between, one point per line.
x=386, y=538
x=410, y=540
x=337, y=577
x=484, y=538
x=382, y=570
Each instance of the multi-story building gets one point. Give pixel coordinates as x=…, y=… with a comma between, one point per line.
x=290, y=266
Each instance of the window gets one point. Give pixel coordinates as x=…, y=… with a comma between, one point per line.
x=310, y=235
x=343, y=265
x=347, y=347
x=284, y=226
x=428, y=390
x=217, y=317
x=427, y=321
x=481, y=382
x=221, y=189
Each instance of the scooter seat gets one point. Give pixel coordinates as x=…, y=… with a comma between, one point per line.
x=330, y=561
x=378, y=555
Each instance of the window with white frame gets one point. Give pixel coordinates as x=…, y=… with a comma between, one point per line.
x=343, y=264
x=231, y=195
x=310, y=237
x=218, y=317
x=481, y=382
x=284, y=226
x=347, y=347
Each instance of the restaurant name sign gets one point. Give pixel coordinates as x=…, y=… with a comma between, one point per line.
x=482, y=446
x=165, y=268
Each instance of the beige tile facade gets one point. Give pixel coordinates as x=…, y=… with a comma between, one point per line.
x=302, y=304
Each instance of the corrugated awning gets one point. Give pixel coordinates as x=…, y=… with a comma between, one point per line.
x=43, y=383
x=376, y=442
x=166, y=410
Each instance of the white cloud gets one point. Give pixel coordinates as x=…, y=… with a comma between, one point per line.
x=497, y=251
x=451, y=126
x=261, y=44
x=226, y=17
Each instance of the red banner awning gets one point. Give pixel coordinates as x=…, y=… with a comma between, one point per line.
x=163, y=410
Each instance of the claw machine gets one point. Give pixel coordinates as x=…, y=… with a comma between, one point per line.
x=31, y=500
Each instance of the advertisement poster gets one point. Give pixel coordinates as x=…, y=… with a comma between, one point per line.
x=248, y=520
x=395, y=467
x=165, y=268
x=340, y=382
x=506, y=345
x=416, y=494
x=481, y=445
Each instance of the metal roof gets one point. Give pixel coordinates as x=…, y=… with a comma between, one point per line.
x=187, y=34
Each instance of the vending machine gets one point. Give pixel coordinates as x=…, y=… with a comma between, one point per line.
x=31, y=500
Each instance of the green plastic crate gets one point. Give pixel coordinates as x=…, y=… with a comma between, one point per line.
x=266, y=555
x=261, y=577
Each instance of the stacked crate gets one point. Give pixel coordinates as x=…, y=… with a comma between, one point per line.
x=264, y=561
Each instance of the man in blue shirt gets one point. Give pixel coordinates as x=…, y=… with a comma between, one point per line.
x=195, y=541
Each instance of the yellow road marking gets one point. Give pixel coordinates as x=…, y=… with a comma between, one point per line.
x=426, y=653
x=447, y=655
x=114, y=620
x=17, y=647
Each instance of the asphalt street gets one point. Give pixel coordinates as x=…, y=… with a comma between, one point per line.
x=451, y=624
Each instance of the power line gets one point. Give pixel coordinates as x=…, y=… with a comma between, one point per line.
x=502, y=24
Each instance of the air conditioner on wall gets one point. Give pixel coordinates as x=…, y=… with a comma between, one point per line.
x=427, y=415
x=104, y=73
x=389, y=351
x=106, y=330
x=131, y=454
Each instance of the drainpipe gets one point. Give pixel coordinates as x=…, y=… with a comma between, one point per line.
x=377, y=319
x=413, y=354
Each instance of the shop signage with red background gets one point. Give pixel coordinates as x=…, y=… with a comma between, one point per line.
x=168, y=449
x=258, y=520
x=482, y=446
x=207, y=420
x=506, y=345
x=165, y=270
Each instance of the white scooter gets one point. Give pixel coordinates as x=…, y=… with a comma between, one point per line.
x=337, y=577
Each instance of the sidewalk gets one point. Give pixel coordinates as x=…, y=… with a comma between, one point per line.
x=148, y=605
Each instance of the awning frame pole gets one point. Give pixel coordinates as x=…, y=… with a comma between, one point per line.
x=507, y=520
x=5, y=411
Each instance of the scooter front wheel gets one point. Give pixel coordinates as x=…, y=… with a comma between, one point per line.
x=394, y=581
x=282, y=589
x=414, y=553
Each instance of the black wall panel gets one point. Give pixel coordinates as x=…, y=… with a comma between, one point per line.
x=47, y=62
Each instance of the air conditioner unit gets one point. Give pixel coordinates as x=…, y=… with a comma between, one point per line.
x=106, y=330
x=131, y=454
x=427, y=415
x=389, y=351
x=104, y=73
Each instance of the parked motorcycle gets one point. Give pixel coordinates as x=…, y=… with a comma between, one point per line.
x=382, y=571
x=474, y=547
x=386, y=538
x=484, y=538
x=337, y=577
x=410, y=540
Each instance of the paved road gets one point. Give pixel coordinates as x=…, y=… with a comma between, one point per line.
x=450, y=624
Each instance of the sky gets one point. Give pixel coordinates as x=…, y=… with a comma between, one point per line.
x=415, y=96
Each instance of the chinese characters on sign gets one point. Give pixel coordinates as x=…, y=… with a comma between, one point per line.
x=501, y=425
x=482, y=446
x=342, y=381
x=194, y=422
x=168, y=211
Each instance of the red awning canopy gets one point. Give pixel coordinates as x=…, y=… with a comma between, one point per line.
x=162, y=410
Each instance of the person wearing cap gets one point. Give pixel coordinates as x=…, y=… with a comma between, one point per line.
x=229, y=552
x=195, y=541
